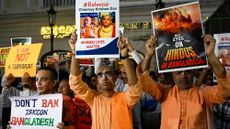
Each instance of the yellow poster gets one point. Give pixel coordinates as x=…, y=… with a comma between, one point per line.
x=23, y=58
x=3, y=55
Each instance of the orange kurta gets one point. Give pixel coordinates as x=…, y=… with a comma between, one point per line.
x=188, y=109
x=108, y=113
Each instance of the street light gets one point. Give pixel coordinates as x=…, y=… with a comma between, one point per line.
x=51, y=18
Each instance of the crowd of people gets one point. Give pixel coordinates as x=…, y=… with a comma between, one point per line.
x=125, y=94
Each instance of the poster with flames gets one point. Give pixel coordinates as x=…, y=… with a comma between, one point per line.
x=179, y=31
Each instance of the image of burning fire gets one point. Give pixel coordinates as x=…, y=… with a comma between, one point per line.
x=174, y=20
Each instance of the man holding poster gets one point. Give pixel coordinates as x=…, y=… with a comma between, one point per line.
x=185, y=106
x=110, y=109
x=46, y=79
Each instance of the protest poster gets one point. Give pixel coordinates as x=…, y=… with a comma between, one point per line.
x=179, y=31
x=23, y=58
x=98, y=23
x=222, y=49
x=36, y=112
x=3, y=55
x=20, y=41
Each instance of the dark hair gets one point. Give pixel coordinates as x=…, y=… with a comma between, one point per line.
x=153, y=75
x=63, y=75
x=53, y=72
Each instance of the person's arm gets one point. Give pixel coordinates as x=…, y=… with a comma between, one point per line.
x=76, y=83
x=75, y=67
x=148, y=85
x=218, y=93
x=130, y=71
x=133, y=94
x=26, y=80
x=201, y=79
x=150, y=51
x=134, y=53
x=216, y=66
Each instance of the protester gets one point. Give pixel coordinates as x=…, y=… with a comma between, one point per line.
x=9, y=90
x=184, y=105
x=63, y=86
x=151, y=110
x=221, y=114
x=83, y=113
x=110, y=110
x=28, y=85
x=46, y=79
x=83, y=118
x=123, y=87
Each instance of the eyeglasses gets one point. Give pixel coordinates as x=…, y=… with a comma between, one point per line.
x=106, y=74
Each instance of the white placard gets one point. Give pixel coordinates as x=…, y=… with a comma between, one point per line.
x=36, y=112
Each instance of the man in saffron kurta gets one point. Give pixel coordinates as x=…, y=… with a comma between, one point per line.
x=110, y=110
x=186, y=106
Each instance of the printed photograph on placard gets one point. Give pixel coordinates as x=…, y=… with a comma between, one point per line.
x=89, y=25
x=179, y=31
x=224, y=55
x=107, y=25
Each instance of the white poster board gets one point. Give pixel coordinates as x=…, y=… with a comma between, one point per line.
x=97, y=23
x=36, y=112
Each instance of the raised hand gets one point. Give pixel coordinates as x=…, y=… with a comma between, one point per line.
x=72, y=41
x=75, y=67
x=209, y=43
x=122, y=45
x=150, y=50
x=150, y=45
x=10, y=80
x=26, y=78
x=216, y=66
